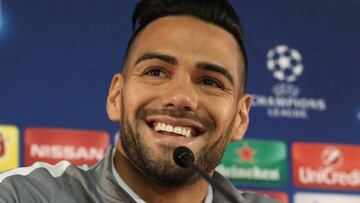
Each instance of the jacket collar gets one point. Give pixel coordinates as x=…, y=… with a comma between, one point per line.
x=107, y=185
x=222, y=181
x=111, y=191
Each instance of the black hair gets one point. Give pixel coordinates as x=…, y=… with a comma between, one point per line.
x=217, y=12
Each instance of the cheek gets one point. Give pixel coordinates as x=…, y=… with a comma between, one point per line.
x=135, y=97
x=222, y=111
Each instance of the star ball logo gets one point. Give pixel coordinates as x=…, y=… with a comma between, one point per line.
x=286, y=65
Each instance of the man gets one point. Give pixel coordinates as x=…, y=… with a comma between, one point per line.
x=183, y=84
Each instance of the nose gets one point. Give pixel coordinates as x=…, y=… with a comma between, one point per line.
x=180, y=95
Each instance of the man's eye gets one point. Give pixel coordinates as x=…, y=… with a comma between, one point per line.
x=155, y=73
x=211, y=82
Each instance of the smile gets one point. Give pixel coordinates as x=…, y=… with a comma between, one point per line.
x=179, y=130
x=171, y=126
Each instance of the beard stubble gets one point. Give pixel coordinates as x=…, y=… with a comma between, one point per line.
x=162, y=170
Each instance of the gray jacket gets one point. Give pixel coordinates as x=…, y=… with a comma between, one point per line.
x=68, y=183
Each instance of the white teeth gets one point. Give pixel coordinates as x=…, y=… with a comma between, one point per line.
x=163, y=127
x=183, y=132
x=188, y=133
x=172, y=129
x=169, y=128
x=157, y=127
x=177, y=130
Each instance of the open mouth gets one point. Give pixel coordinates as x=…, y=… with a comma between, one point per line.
x=177, y=130
x=182, y=128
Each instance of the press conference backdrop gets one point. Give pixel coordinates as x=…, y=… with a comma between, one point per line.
x=57, y=59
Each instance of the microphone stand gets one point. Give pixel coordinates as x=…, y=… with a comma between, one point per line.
x=188, y=160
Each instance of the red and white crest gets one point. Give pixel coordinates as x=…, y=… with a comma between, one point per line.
x=332, y=157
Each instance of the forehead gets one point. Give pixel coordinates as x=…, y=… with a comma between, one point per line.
x=190, y=40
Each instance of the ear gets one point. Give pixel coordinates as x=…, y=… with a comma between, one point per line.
x=113, y=101
x=242, y=118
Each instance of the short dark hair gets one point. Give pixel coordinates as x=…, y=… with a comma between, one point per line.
x=217, y=12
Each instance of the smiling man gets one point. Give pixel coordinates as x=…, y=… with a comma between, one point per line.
x=182, y=84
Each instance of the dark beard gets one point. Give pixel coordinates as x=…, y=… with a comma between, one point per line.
x=163, y=171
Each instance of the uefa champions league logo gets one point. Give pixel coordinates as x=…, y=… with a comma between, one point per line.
x=286, y=66
x=285, y=63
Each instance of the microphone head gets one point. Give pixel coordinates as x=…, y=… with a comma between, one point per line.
x=183, y=156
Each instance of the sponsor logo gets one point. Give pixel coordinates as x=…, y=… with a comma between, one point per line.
x=307, y=197
x=67, y=152
x=255, y=162
x=332, y=157
x=285, y=63
x=246, y=153
x=326, y=166
x=277, y=195
x=2, y=146
x=286, y=66
x=9, y=147
x=53, y=145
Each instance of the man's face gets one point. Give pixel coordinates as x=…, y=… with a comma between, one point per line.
x=182, y=88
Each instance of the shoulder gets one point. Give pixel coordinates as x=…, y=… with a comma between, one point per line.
x=40, y=170
x=41, y=181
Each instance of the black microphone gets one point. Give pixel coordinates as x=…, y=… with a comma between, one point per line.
x=184, y=158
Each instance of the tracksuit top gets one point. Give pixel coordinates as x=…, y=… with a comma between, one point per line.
x=67, y=183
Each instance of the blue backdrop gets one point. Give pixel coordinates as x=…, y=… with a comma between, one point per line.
x=57, y=59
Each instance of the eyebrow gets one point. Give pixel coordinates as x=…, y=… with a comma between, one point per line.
x=216, y=68
x=155, y=55
x=173, y=61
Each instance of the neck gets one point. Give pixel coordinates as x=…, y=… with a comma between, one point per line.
x=154, y=193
